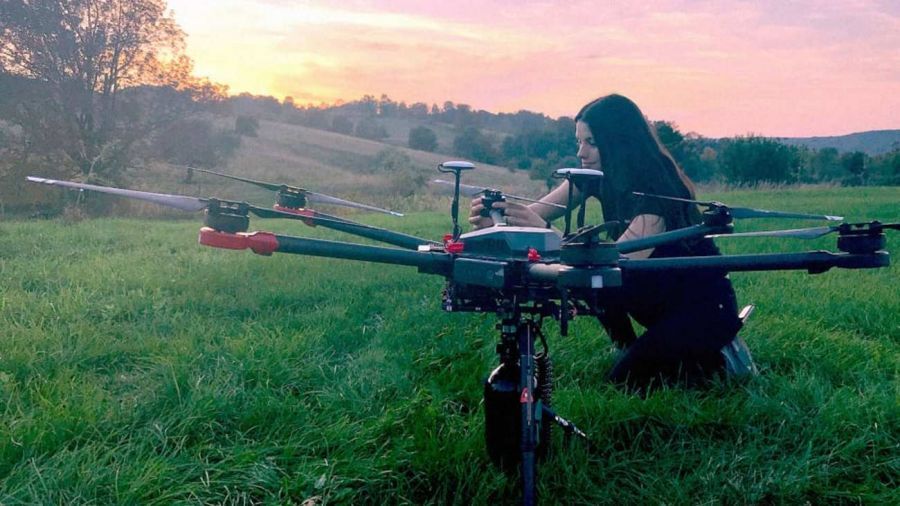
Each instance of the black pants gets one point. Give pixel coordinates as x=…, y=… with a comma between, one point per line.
x=684, y=344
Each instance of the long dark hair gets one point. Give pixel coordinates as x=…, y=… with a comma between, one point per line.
x=633, y=160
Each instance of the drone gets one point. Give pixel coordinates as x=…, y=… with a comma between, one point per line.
x=523, y=275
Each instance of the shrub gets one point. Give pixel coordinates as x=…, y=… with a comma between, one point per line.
x=246, y=126
x=423, y=139
x=404, y=176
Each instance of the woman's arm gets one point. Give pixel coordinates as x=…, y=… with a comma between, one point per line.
x=532, y=215
x=559, y=196
x=643, y=225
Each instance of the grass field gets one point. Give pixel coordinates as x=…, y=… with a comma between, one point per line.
x=138, y=367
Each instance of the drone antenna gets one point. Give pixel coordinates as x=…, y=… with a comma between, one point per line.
x=576, y=177
x=456, y=167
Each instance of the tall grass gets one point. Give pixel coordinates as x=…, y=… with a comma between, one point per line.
x=137, y=367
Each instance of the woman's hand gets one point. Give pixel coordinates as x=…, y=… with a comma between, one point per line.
x=517, y=215
x=475, y=217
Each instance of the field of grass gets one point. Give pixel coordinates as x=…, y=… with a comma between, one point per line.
x=138, y=367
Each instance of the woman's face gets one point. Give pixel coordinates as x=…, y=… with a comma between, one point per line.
x=587, y=148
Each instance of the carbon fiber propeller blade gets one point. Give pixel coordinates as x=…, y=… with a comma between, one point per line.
x=812, y=233
x=182, y=202
x=311, y=196
x=262, y=184
x=798, y=233
x=746, y=212
x=471, y=191
x=328, y=199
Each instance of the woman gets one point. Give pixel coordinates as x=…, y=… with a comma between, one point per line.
x=689, y=317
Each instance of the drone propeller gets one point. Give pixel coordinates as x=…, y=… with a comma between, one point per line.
x=797, y=233
x=182, y=202
x=745, y=212
x=874, y=227
x=231, y=217
x=472, y=191
x=310, y=195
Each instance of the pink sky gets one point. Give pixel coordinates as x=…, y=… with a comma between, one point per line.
x=776, y=68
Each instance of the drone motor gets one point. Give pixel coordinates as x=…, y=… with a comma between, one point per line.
x=229, y=217
x=490, y=198
x=291, y=198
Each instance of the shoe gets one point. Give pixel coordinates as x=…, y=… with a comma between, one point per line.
x=738, y=361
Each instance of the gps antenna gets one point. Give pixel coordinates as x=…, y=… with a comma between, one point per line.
x=579, y=178
x=456, y=167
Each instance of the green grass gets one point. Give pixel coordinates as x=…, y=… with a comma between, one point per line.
x=138, y=367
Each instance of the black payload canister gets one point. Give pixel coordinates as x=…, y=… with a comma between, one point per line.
x=502, y=412
x=502, y=424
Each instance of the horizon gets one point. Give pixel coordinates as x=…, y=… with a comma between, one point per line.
x=718, y=69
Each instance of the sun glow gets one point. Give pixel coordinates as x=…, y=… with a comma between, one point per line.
x=804, y=68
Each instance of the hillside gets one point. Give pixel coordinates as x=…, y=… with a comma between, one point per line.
x=318, y=160
x=872, y=143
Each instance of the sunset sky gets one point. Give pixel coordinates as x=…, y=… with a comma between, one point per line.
x=719, y=68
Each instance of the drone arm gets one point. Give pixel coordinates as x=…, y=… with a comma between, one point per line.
x=652, y=241
x=265, y=243
x=812, y=261
x=375, y=233
x=311, y=217
x=433, y=263
x=642, y=226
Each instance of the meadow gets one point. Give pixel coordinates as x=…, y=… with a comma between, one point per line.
x=137, y=367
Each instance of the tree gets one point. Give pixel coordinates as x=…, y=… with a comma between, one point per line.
x=342, y=125
x=754, y=159
x=855, y=164
x=83, y=54
x=885, y=168
x=423, y=138
x=669, y=136
x=824, y=165
x=473, y=144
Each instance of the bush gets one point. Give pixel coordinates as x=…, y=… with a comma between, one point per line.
x=246, y=126
x=342, y=125
x=423, y=139
x=404, y=176
x=370, y=128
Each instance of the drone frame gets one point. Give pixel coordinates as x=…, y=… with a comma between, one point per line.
x=534, y=278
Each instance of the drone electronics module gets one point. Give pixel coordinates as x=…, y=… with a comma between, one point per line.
x=522, y=274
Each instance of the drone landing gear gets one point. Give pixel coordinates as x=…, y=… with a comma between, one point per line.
x=518, y=398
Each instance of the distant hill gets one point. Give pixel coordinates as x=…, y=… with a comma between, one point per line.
x=326, y=162
x=873, y=143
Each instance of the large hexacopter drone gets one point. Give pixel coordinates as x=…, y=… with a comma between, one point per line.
x=523, y=274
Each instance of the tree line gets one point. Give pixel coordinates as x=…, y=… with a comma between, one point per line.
x=539, y=144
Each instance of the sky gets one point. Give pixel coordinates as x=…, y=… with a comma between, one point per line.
x=781, y=68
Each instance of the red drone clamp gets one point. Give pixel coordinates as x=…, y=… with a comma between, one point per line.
x=261, y=243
